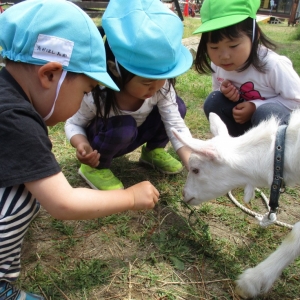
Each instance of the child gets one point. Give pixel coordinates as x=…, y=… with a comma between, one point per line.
x=143, y=40
x=250, y=81
x=48, y=69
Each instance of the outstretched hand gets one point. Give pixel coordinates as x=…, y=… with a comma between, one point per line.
x=145, y=195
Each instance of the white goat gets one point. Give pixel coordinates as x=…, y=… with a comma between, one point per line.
x=223, y=163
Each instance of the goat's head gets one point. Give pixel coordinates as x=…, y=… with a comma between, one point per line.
x=210, y=174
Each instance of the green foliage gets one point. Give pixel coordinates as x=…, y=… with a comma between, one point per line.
x=62, y=227
x=69, y=278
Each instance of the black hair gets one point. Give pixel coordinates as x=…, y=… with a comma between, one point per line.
x=202, y=60
x=105, y=98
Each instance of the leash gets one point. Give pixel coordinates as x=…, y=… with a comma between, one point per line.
x=257, y=216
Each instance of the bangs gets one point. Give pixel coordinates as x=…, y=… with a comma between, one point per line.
x=224, y=33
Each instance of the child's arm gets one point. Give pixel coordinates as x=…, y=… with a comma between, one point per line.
x=80, y=120
x=184, y=154
x=281, y=83
x=285, y=81
x=171, y=117
x=64, y=202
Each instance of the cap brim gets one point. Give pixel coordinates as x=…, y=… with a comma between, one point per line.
x=103, y=79
x=219, y=23
x=184, y=63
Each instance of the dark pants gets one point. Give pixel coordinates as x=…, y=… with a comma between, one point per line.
x=216, y=102
x=120, y=134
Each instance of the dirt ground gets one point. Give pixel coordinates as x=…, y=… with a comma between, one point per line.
x=139, y=270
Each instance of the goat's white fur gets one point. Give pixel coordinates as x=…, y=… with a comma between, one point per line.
x=223, y=163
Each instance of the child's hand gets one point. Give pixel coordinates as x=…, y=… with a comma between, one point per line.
x=229, y=91
x=145, y=195
x=243, y=112
x=87, y=155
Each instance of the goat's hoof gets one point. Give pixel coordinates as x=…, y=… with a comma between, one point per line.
x=240, y=292
x=252, y=283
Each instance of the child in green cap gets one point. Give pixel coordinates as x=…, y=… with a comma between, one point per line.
x=250, y=81
x=49, y=66
x=144, y=49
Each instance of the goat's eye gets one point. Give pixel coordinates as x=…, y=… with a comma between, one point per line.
x=195, y=171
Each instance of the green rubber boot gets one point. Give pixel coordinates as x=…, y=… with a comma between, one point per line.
x=161, y=160
x=100, y=179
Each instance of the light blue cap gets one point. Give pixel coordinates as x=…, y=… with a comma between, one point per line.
x=41, y=31
x=145, y=37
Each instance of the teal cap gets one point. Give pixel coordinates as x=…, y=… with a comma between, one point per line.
x=217, y=14
x=146, y=38
x=41, y=31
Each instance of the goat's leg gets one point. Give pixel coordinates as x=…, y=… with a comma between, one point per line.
x=260, y=279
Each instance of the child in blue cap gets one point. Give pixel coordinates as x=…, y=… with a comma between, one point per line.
x=49, y=66
x=144, y=49
x=250, y=81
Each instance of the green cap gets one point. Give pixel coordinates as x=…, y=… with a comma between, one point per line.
x=217, y=14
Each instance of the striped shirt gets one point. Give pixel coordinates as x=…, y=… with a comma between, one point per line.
x=17, y=209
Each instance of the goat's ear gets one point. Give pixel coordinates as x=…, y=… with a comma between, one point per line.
x=217, y=126
x=193, y=144
x=198, y=146
x=208, y=152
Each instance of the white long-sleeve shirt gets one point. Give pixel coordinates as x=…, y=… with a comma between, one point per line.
x=279, y=84
x=165, y=101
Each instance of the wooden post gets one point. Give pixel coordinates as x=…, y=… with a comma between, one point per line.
x=292, y=19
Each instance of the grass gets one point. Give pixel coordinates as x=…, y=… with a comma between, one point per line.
x=171, y=252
